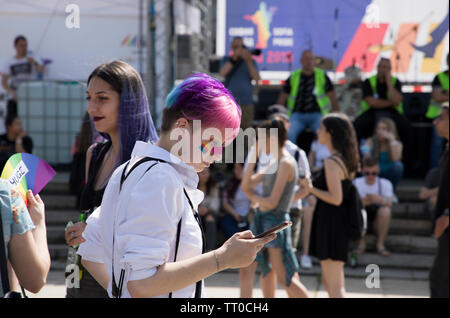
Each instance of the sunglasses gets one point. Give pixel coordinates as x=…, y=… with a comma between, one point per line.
x=371, y=173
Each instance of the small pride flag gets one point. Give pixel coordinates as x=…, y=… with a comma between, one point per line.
x=27, y=172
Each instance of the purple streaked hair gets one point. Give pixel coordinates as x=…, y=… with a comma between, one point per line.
x=201, y=97
x=135, y=121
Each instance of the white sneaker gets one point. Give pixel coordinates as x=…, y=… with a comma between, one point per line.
x=305, y=261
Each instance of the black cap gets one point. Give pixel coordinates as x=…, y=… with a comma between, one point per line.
x=277, y=110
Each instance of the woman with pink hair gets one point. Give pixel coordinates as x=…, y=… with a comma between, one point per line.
x=149, y=238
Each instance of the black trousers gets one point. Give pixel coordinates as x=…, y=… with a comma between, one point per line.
x=439, y=271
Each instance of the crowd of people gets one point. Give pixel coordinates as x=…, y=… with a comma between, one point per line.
x=151, y=215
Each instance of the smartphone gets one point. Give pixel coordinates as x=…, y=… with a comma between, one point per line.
x=275, y=229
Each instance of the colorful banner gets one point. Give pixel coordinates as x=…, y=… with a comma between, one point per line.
x=413, y=34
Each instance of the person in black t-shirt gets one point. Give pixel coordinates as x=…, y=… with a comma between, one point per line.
x=382, y=97
x=309, y=95
x=14, y=141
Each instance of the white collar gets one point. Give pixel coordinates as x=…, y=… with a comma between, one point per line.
x=149, y=149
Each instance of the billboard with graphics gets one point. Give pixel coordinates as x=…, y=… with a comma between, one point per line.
x=413, y=34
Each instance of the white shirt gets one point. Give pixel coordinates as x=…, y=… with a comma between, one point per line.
x=265, y=160
x=322, y=153
x=382, y=187
x=20, y=70
x=145, y=216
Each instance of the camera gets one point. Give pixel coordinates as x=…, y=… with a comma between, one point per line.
x=255, y=52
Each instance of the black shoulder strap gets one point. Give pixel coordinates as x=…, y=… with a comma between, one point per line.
x=198, y=285
x=117, y=290
x=3, y=261
x=297, y=155
x=341, y=165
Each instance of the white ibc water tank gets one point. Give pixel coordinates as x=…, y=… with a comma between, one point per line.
x=51, y=113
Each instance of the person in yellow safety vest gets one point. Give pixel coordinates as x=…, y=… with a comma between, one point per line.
x=438, y=97
x=309, y=94
x=382, y=97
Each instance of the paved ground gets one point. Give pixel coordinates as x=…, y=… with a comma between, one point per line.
x=226, y=285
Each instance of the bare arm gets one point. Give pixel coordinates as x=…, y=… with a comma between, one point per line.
x=396, y=149
x=394, y=95
x=7, y=88
x=439, y=95
x=30, y=250
x=282, y=98
x=239, y=251
x=254, y=74
x=426, y=193
x=225, y=69
x=377, y=102
x=334, y=101
x=98, y=271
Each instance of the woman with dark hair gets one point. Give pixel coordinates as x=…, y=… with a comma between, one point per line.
x=279, y=180
x=118, y=106
x=329, y=241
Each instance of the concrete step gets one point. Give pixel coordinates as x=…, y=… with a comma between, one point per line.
x=408, y=190
x=405, y=244
x=58, y=252
x=397, y=260
x=409, y=210
x=59, y=201
x=61, y=217
x=411, y=227
x=59, y=184
x=55, y=234
x=385, y=273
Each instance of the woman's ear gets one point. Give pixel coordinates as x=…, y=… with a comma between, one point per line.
x=182, y=123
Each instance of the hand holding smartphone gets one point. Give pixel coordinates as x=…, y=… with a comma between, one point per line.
x=274, y=230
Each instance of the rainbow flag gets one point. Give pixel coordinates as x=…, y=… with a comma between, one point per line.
x=27, y=172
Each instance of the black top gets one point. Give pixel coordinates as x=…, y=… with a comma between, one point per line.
x=382, y=89
x=306, y=102
x=91, y=198
x=442, y=199
x=329, y=238
x=8, y=148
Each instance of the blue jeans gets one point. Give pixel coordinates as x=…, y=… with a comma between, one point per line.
x=301, y=121
x=436, y=147
x=394, y=173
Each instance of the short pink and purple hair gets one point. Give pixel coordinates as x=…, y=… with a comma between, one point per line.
x=201, y=97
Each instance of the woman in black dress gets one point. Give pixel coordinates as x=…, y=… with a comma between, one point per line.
x=118, y=106
x=329, y=240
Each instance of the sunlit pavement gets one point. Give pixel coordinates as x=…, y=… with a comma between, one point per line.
x=226, y=285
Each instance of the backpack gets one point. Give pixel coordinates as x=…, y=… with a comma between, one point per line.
x=356, y=215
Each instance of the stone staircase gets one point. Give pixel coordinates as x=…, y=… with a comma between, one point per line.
x=60, y=208
x=409, y=240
